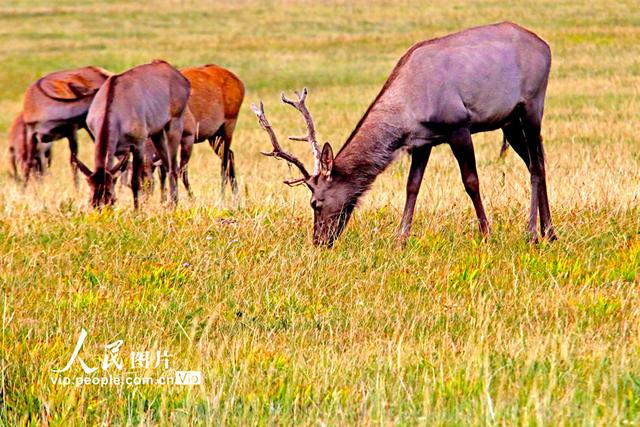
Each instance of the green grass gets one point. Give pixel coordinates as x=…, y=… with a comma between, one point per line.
x=449, y=330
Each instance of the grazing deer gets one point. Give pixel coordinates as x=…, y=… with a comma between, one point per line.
x=441, y=91
x=216, y=97
x=55, y=107
x=147, y=101
x=214, y=104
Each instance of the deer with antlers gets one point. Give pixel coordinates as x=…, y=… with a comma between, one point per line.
x=441, y=91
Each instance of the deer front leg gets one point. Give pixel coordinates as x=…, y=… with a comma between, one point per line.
x=136, y=172
x=462, y=148
x=419, y=160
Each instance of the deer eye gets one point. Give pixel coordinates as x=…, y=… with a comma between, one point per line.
x=316, y=204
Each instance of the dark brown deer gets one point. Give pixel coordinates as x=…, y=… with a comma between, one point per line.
x=441, y=91
x=55, y=107
x=147, y=101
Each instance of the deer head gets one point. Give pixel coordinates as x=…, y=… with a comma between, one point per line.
x=332, y=196
x=102, y=181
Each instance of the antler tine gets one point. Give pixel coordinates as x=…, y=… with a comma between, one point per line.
x=277, y=152
x=311, y=136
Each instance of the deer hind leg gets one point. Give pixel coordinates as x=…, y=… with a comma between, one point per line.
x=514, y=133
x=73, y=152
x=230, y=169
x=161, y=147
x=419, y=160
x=462, y=148
x=186, y=148
x=232, y=175
x=536, y=154
x=174, y=135
x=14, y=166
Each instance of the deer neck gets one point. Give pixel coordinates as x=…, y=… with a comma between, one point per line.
x=106, y=136
x=370, y=149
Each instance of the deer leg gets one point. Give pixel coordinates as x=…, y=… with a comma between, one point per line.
x=14, y=167
x=30, y=149
x=419, y=160
x=232, y=175
x=136, y=172
x=536, y=154
x=160, y=143
x=514, y=134
x=228, y=128
x=223, y=167
x=39, y=156
x=186, y=147
x=174, y=134
x=146, y=176
x=462, y=147
x=73, y=152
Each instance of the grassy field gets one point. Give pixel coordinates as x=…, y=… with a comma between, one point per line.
x=449, y=330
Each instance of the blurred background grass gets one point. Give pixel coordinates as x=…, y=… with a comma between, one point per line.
x=449, y=330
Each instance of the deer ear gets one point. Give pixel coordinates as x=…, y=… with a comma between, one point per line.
x=83, y=168
x=326, y=160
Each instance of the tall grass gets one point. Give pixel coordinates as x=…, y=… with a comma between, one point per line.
x=449, y=330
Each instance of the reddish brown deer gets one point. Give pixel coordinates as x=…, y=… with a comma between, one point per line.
x=55, y=107
x=440, y=91
x=214, y=104
x=216, y=97
x=147, y=101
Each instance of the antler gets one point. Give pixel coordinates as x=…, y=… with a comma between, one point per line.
x=311, y=136
x=277, y=152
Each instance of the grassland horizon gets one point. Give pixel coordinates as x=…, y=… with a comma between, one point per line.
x=450, y=330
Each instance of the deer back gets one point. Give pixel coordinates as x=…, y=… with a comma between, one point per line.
x=475, y=78
x=216, y=96
x=63, y=95
x=138, y=103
